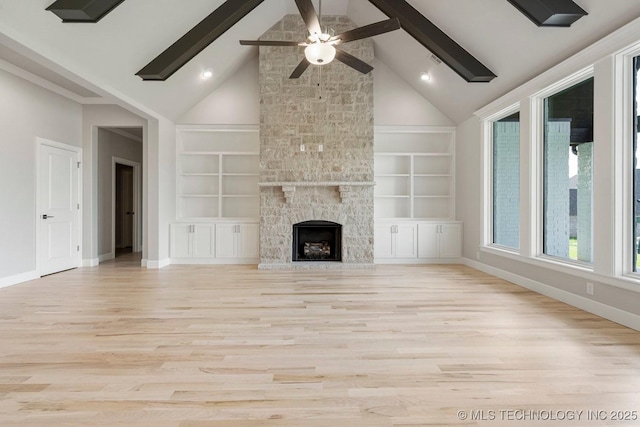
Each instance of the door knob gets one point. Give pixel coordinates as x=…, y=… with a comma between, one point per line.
x=45, y=216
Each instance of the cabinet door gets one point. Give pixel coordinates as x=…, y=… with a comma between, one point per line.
x=450, y=240
x=203, y=241
x=383, y=241
x=248, y=240
x=226, y=242
x=406, y=244
x=181, y=241
x=428, y=246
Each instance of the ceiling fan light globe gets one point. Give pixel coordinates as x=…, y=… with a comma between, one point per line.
x=320, y=53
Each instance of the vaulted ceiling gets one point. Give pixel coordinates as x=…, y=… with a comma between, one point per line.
x=98, y=62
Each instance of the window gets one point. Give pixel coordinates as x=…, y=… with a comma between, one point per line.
x=506, y=182
x=567, y=173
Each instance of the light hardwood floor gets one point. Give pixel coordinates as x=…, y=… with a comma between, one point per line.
x=192, y=346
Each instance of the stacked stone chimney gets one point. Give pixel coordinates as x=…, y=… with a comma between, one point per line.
x=329, y=112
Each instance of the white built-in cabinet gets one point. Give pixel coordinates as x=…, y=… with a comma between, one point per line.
x=217, y=195
x=237, y=241
x=192, y=241
x=214, y=243
x=439, y=240
x=417, y=242
x=395, y=241
x=415, y=195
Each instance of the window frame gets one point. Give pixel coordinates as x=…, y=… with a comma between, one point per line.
x=487, y=187
x=490, y=122
x=623, y=159
x=537, y=150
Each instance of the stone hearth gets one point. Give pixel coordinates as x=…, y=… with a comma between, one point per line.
x=329, y=110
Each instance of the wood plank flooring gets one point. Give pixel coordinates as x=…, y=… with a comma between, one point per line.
x=231, y=346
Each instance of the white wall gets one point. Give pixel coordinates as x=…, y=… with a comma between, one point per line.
x=468, y=185
x=27, y=111
x=237, y=101
x=160, y=196
x=397, y=104
x=111, y=145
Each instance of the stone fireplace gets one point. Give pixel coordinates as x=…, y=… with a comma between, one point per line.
x=316, y=149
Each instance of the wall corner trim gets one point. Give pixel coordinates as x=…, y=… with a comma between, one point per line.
x=106, y=257
x=155, y=265
x=608, y=312
x=90, y=262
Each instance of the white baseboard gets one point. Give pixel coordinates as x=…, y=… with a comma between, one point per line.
x=317, y=266
x=18, y=278
x=106, y=257
x=213, y=261
x=614, y=314
x=92, y=262
x=392, y=261
x=156, y=264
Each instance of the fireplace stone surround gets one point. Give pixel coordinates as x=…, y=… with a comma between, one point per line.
x=329, y=111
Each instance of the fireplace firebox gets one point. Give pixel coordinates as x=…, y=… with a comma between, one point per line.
x=317, y=241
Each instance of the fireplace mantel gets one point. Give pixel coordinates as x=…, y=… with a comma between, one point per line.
x=344, y=187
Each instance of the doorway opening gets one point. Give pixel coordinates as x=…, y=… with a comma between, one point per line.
x=126, y=204
x=124, y=210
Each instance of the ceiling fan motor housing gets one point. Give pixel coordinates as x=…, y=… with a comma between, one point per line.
x=320, y=53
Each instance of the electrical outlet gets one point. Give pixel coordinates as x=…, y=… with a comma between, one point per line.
x=590, y=288
x=320, y=148
x=302, y=148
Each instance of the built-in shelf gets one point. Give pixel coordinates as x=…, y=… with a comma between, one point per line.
x=414, y=172
x=218, y=172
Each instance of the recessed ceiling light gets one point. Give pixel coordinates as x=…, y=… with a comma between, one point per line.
x=425, y=77
x=207, y=74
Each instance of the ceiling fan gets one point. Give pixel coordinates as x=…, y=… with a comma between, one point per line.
x=321, y=46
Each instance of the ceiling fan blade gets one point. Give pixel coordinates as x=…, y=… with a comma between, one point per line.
x=301, y=68
x=268, y=43
x=353, y=62
x=309, y=16
x=368, y=31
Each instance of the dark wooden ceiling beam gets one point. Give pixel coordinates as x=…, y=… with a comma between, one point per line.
x=82, y=10
x=198, y=38
x=435, y=40
x=550, y=13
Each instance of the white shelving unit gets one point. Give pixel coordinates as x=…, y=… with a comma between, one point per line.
x=414, y=173
x=218, y=172
x=218, y=204
x=415, y=195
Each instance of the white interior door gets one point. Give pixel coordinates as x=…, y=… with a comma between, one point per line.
x=58, y=205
